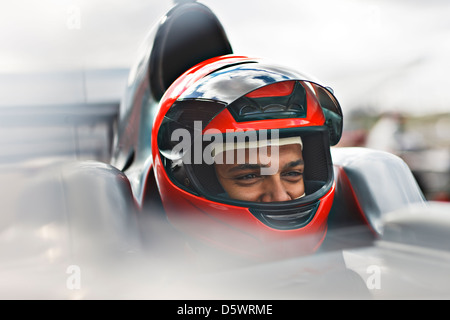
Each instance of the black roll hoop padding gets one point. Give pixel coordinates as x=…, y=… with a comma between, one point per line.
x=189, y=34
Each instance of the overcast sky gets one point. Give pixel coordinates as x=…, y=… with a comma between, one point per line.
x=389, y=52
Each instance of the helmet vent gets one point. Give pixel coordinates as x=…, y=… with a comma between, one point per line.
x=286, y=219
x=250, y=108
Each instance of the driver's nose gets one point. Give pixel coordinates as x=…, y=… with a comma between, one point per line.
x=275, y=190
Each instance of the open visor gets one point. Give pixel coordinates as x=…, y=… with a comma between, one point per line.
x=225, y=86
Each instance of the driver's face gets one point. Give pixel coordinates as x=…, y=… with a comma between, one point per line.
x=245, y=181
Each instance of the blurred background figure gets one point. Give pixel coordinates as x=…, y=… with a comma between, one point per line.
x=422, y=142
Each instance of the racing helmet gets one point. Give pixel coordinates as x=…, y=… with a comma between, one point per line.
x=237, y=112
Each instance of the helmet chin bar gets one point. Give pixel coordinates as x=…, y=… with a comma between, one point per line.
x=286, y=219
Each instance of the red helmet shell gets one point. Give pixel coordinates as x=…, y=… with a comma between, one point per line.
x=227, y=226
